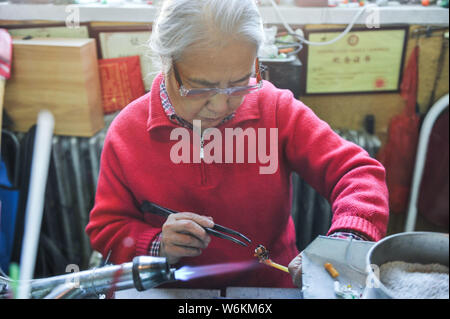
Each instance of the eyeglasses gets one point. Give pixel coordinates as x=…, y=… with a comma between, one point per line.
x=210, y=92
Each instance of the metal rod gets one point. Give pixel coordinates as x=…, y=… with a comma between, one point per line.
x=421, y=156
x=35, y=201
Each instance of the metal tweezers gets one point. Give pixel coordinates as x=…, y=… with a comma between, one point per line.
x=165, y=212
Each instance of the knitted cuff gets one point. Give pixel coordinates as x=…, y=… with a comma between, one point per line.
x=356, y=225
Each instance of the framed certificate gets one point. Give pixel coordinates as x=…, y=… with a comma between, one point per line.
x=363, y=61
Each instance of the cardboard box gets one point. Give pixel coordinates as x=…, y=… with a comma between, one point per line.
x=60, y=75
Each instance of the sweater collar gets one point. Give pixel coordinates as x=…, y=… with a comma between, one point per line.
x=248, y=110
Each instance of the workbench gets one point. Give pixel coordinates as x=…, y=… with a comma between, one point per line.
x=230, y=293
x=348, y=257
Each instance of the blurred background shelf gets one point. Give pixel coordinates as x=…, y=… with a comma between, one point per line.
x=407, y=14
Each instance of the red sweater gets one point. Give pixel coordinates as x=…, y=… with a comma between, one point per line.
x=136, y=166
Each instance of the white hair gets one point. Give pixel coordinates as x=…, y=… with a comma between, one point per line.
x=184, y=23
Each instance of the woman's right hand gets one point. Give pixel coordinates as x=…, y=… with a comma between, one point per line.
x=183, y=235
x=295, y=269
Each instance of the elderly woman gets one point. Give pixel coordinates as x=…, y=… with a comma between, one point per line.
x=208, y=50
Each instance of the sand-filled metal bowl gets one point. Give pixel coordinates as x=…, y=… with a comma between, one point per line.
x=409, y=247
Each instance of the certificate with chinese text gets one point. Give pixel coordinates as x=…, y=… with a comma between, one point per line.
x=361, y=62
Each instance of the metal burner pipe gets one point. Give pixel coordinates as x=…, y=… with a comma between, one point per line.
x=142, y=273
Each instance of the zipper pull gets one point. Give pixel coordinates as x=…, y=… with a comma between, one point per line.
x=202, y=153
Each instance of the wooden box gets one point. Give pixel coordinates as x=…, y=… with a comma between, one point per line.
x=60, y=75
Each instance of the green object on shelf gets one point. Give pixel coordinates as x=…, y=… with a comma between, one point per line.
x=443, y=3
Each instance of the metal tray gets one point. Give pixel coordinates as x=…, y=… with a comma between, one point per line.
x=348, y=256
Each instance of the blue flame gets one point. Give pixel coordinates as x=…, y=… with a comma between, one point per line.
x=189, y=272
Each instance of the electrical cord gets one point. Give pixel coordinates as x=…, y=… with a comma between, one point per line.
x=302, y=39
x=297, y=50
x=282, y=45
